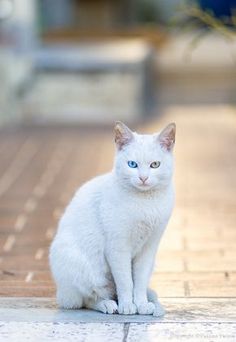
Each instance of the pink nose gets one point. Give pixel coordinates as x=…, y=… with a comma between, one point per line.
x=143, y=179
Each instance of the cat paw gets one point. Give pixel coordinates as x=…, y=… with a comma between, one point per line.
x=127, y=308
x=146, y=308
x=159, y=310
x=108, y=306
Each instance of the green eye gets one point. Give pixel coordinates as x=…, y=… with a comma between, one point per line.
x=155, y=164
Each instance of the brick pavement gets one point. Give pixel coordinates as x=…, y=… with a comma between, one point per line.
x=41, y=168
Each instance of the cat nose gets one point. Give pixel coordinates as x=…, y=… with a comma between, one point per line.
x=143, y=178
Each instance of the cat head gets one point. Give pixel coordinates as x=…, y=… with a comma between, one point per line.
x=144, y=162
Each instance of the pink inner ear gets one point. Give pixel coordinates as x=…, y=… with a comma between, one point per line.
x=122, y=140
x=167, y=142
x=123, y=136
x=167, y=138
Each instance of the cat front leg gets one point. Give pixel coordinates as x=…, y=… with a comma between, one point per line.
x=119, y=260
x=142, y=269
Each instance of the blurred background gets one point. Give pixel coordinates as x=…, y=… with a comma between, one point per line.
x=68, y=70
x=97, y=61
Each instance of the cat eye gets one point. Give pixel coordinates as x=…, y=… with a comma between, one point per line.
x=155, y=164
x=132, y=164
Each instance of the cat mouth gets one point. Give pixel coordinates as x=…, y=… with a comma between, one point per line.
x=143, y=185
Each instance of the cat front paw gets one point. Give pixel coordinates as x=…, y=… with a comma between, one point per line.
x=146, y=308
x=127, y=308
x=108, y=306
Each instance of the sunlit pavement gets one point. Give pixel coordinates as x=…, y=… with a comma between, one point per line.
x=195, y=276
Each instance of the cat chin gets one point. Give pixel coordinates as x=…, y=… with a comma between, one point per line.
x=144, y=188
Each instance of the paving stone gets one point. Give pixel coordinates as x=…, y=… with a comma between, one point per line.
x=167, y=263
x=37, y=331
x=25, y=290
x=172, y=240
x=229, y=253
x=15, y=331
x=212, y=264
x=232, y=276
x=226, y=288
x=197, y=332
x=186, y=276
x=212, y=243
x=21, y=276
x=167, y=287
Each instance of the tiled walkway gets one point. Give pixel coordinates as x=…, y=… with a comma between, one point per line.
x=41, y=168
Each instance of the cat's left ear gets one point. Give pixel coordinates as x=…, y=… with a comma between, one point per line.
x=123, y=135
x=167, y=137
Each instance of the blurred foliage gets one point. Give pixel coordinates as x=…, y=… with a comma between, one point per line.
x=192, y=18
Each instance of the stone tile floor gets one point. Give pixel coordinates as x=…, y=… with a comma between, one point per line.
x=196, y=270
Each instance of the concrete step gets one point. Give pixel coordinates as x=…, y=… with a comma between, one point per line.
x=178, y=310
x=194, y=319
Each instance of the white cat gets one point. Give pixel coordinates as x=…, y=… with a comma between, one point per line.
x=103, y=254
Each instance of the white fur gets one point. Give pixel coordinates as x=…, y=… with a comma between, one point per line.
x=103, y=253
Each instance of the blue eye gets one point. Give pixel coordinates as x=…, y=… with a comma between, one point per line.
x=132, y=164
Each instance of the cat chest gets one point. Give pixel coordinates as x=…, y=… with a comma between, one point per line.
x=141, y=232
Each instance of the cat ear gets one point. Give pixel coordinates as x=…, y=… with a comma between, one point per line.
x=167, y=137
x=123, y=135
